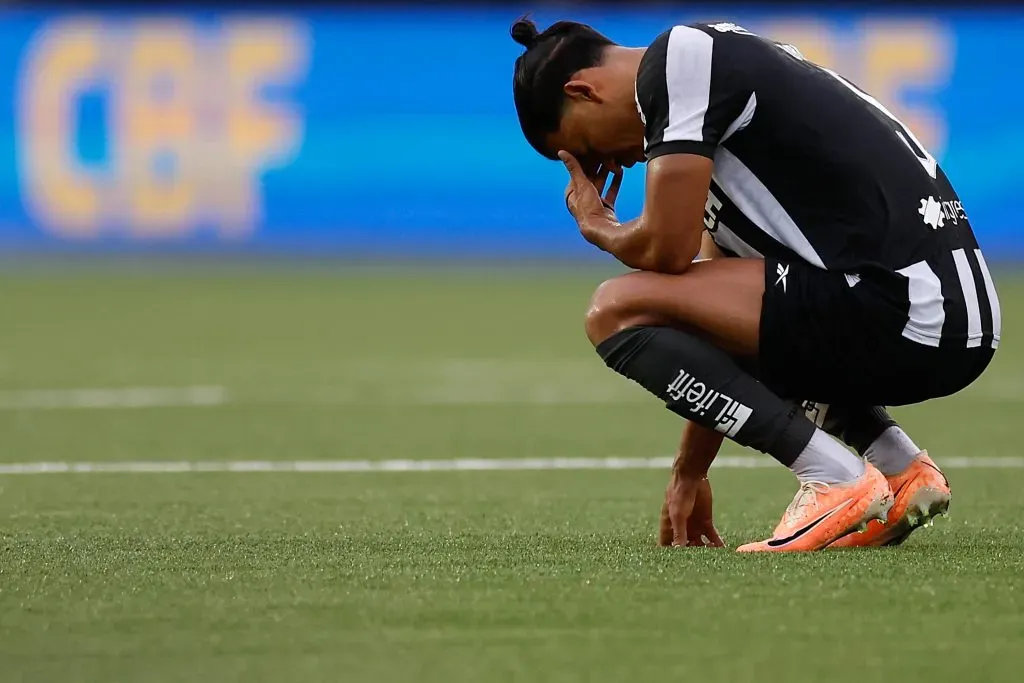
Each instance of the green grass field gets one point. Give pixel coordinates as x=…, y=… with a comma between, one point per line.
x=436, y=576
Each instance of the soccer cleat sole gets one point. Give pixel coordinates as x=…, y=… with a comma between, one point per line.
x=926, y=504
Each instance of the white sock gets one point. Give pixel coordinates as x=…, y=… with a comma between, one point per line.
x=892, y=452
x=825, y=460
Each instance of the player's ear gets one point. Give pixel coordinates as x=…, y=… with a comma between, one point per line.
x=581, y=90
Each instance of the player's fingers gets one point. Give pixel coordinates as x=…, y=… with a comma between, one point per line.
x=696, y=534
x=572, y=165
x=696, y=541
x=679, y=536
x=570, y=196
x=665, y=527
x=600, y=178
x=707, y=533
x=613, y=190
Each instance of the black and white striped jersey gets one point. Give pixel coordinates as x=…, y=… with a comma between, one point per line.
x=808, y=167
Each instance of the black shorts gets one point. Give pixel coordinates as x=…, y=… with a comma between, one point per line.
x=832, y=338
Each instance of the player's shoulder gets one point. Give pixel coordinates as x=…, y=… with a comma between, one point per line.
x=676, y=35
x=723, y=40
x=683, y=35
x=677, y=39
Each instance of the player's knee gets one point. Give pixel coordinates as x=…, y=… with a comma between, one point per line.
x=613, y=308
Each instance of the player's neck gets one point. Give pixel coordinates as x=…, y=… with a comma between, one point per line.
x=626, y=59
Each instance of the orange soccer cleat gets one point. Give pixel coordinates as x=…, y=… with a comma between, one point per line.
x=821, y=513
x=920, y=493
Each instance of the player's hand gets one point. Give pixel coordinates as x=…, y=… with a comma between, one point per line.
x=686, y=515
x=583, y=194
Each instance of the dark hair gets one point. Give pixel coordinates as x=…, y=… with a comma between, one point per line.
x=550, y=60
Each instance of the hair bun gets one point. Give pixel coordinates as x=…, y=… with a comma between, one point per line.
x=524, y=32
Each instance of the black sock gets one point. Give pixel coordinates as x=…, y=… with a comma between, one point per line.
x=705, y=385
x=857, y=427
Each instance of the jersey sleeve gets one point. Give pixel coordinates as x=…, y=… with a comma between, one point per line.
x=692, y=92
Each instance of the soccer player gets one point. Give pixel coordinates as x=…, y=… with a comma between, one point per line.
x=859, y=284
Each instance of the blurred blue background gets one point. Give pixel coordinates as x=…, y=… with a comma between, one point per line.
x=390, y=132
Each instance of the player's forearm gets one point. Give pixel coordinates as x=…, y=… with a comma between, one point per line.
x=697, y=450
x=638, y=246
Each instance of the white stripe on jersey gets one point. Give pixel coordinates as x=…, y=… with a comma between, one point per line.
x=743, y=120
x=688, y=77
x=760, y=206
x=966, y=277
x=727, y=239
x=926, y=316
x=993, y=299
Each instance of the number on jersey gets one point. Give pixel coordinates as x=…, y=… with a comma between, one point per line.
x=901, y=130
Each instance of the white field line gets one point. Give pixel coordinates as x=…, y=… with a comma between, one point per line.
x=375, y=382
x=120, y=397
x=460, y=465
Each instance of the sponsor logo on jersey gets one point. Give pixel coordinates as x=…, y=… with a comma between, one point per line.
x=783, y=272
x=935, y=212
x=954, y=211
x=931, y=212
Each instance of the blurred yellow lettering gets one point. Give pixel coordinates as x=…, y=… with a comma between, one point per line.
x=258, y=134
x=898, y=56
x=812, y=37
x=62, y=61
x=157, y=98
x=187, y=132
x=884, y=57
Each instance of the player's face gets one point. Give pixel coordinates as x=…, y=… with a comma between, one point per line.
x=600, y=128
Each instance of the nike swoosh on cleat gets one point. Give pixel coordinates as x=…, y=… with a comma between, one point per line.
x=898, y=491
x=777, y=542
